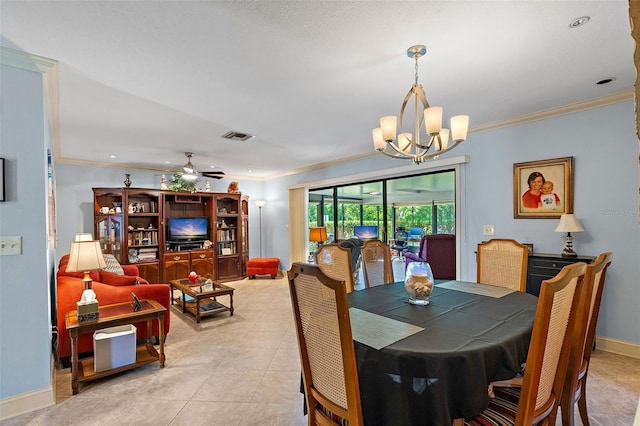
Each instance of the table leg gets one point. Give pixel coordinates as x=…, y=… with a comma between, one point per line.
x=231, y=303
x=197, y=310
x=149, y=332
x=74, y=362
x=161, y=337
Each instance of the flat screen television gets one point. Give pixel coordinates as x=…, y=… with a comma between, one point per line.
x=365, y=232
x=188, y=229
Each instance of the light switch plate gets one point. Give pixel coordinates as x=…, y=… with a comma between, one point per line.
x=488, y=230
x=10, y=245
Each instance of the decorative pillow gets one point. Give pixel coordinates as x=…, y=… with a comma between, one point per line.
x=110, y=278
x=112, y=265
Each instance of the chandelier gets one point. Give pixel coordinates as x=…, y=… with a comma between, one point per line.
x=409, y=146
x=189, y=172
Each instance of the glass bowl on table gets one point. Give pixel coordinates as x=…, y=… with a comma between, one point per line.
x=418, y=283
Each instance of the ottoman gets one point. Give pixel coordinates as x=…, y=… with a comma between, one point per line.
x=263, y=266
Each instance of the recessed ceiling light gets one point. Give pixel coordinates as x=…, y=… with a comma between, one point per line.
x=578, y=22
x=606, y=80
x=112, y=156
x=167, y=162
x=212, y=166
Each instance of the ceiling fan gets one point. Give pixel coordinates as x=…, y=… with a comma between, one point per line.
x=213, y=175
x=190, y=173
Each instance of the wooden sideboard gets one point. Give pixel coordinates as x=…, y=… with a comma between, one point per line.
x=543, y=266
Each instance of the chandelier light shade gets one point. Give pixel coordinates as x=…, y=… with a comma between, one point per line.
x=568, y=223
x=410, y=146
x=189, y=172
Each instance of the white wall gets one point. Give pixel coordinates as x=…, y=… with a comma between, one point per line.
x=25, y=327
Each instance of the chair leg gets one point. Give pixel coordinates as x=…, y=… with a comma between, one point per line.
x=582, y=403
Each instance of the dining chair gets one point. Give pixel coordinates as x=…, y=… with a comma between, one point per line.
x=335, y=261
x=575, y=385
x=377, y=267
x=547, y=359
x=327, y=354
x=503, y=262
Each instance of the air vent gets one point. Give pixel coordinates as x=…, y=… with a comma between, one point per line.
x=237, y=136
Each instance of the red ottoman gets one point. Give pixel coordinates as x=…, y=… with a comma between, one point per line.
x=263, y=266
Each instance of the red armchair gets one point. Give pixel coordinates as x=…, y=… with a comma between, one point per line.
x=439, y=250
x=109, y=288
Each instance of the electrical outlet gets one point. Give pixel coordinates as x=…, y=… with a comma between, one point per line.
x=488, y=230
x=10, y=245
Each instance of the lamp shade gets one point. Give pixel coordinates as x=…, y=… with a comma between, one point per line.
x=83, y=237
x=318, y=235
x=85, y=256
x=568, y=223
x=260, y=203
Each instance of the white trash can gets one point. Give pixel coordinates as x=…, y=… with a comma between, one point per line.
x=114, y=347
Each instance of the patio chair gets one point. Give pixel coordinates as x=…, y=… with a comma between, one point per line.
x=327, y=354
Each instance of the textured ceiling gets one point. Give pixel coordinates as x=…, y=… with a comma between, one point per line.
x=148, y=80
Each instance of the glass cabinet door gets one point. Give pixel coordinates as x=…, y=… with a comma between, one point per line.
x=109, y=233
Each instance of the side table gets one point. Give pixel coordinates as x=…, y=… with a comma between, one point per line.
x=111, y=316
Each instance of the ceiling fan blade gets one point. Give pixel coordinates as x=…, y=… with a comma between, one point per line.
x=213, y=175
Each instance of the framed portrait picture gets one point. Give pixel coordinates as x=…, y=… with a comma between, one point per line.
x=543, y=189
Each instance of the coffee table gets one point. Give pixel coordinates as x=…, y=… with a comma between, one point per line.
x=111, y=316
x=200, y=298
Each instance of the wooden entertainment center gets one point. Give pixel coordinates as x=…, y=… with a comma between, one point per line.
x=165, y=233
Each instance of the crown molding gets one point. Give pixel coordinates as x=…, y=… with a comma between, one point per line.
x=602, y=101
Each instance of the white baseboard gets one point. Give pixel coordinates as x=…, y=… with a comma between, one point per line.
x=618, y=346
x=26, y=402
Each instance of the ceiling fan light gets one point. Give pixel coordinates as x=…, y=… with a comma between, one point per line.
x=189, y=177
x=459, y=127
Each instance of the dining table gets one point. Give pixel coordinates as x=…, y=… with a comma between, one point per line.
x=429, y=365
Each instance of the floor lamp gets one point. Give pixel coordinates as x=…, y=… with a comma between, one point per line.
x=260, y=204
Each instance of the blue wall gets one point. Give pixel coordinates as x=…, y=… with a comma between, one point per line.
x=25, y=336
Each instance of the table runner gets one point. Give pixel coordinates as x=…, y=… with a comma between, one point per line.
x=476, y=288
x=377, y=331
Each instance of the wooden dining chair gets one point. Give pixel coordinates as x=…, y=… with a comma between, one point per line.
x=503, y=262
x=575, y=385
x=553, y=328
x=376, y=257
x=327, y=353
x=335, y=261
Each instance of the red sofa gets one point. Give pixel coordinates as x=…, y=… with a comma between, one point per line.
x=439, y=250
x=109, y=288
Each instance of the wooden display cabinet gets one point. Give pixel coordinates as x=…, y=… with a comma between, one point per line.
x=227, y=242
x=136, y=233
x=144, y=233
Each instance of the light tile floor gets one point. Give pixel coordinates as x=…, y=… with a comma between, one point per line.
x=244, y=370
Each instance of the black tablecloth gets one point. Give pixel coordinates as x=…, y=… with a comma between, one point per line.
x=443, y=372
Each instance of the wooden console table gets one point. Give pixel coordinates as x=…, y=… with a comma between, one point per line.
x=111, y=316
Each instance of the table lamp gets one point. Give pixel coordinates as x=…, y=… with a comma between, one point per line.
x=86, y=256
x=568, y=223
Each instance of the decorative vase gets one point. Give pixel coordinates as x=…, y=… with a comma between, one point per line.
x=418, y=283
x=127, y=180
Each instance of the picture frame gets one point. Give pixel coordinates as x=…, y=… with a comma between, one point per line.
x=226, y=251
x=2, y=192
x=552, y=193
